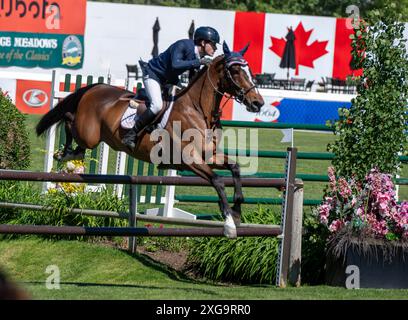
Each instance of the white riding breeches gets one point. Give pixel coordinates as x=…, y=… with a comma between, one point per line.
x=153, y=91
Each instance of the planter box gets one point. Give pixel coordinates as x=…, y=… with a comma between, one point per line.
x=377, y=267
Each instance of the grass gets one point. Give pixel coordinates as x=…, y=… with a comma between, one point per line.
x=90, y=271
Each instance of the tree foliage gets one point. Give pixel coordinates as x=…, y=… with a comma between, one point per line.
x=334, y=8
x=374, y=130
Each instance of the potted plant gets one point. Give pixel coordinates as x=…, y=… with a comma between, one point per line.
x=369, y=231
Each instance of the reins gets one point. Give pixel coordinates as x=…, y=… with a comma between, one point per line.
x=217, y=112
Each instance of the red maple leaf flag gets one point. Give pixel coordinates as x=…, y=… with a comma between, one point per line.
x=305, y=54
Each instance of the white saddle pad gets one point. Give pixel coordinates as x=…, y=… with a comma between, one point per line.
x=130, y=116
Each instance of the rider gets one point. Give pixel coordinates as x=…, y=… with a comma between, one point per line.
x=181, y=56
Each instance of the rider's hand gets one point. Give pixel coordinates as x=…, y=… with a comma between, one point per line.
x=206, y=61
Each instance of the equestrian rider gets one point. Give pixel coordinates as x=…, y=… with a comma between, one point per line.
x=183, y=55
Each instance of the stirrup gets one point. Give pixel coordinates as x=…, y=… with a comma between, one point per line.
x=129, y=140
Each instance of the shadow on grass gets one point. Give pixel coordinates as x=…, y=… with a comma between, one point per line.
x=182, y=277
x=170, y=272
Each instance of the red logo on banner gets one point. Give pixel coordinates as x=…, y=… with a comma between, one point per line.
x=305, y=54
x=33, y=97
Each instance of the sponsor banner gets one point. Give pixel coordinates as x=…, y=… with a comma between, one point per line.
x=43, y=16
x=33, y=97
x=42, y=33
x=42, y=50
x=322, y=44
x=342, y=52
x=249, y=28
x=288, y=110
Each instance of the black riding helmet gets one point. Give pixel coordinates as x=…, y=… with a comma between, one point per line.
x=207, y=34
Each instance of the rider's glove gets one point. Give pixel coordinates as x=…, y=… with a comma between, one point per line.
x=205, y=61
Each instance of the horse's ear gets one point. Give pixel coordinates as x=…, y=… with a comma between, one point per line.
x=244, y=49
x=225, y=48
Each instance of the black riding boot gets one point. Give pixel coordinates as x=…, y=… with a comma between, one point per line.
x=130, y=137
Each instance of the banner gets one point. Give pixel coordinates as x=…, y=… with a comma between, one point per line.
x=41, y=33
x=322, y=45
x=291, y=110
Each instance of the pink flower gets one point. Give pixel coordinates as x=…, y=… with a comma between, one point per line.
x=360, y=211
x=344, y=188
x=336, y=225
x=324, y=220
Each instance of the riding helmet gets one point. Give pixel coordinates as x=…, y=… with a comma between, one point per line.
x=206, y=33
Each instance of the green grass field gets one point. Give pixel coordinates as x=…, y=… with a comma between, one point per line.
x=90, y=271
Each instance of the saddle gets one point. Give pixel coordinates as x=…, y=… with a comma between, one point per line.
x=141, y=102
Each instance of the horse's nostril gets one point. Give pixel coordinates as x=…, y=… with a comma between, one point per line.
x=259, y=104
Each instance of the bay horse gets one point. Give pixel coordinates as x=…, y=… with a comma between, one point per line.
x=93, y=114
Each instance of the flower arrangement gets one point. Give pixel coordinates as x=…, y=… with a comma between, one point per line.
x=73, y=166
x=368, y=208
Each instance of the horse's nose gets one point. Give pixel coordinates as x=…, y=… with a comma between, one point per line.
x=258, y=104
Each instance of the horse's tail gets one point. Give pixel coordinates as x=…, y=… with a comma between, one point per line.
x=56, y=114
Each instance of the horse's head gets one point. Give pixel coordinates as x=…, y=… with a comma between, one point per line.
x=236, y=79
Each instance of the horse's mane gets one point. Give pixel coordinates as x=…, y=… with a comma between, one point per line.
x=197, y=76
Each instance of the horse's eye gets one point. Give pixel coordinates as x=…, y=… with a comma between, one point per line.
x=235, y=70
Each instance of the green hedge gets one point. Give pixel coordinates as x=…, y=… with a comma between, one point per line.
x=14, y=142
x=254, y=259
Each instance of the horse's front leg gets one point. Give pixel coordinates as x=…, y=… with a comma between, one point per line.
x=226, y=163
x=203, y=170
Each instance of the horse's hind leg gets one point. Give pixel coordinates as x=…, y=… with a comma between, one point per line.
x=67, y=153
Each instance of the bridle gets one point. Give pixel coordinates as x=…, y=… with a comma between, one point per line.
x=240, y=96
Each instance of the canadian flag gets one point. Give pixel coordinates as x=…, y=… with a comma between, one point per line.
x=322, y=44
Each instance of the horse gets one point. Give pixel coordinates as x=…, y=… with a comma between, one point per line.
x=93, y=114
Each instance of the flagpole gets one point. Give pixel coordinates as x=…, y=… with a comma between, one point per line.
x=292, y=137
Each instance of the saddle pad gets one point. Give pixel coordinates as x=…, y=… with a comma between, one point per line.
x=130, y=116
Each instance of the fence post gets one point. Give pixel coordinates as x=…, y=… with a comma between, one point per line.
x=50, y=142
x=295, y=258
x=170, y=190
x=287, y=219
x=120, y=170
x=132, y=215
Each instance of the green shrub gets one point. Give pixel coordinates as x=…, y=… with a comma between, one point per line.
x=23, y=192
x=244, y=260
x=374, y=131
x=313, y=249
x=254, y=259
x=14, y=142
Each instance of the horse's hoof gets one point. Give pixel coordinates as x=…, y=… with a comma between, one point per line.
x=58, y=155
x=230, y=230
x=61, y=157
x=230, y=233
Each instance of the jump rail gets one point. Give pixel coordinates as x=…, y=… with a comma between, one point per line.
x=131, y=232
x=145, y=180
x=290, y=233
x=139, y=217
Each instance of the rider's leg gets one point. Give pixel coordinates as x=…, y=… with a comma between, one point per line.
x=153, y=91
